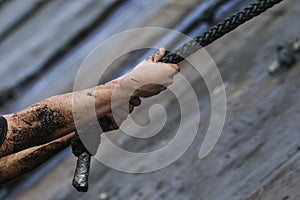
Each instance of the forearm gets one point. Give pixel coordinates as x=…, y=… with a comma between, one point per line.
x=18, y=164
x=53, y=118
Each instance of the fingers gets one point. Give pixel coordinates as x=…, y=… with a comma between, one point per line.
x=126, y=109
x=114, y=122
x=149, y=90
x=121, y=112
x=157, y=56
x=174, y=66
x=135, y=101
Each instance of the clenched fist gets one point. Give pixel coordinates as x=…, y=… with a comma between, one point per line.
x=147, y=79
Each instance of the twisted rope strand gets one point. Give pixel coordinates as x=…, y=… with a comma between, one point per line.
x=186, y=50
x=219, y=30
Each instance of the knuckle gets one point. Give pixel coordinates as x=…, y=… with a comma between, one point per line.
x=170, y=81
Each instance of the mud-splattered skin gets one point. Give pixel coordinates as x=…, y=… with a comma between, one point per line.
x=30, y=131
x=43, y=120
x=51, y=119
x=54, y=117
x=36, y=125
x=18, y=164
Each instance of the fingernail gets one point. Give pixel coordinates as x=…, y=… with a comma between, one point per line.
x=161, y=49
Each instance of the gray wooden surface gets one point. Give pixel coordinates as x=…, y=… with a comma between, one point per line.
x=257, y=156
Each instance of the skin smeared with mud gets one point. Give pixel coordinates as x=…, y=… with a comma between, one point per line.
x=49, y=120
x=43, y=120
x=29, y=130
x=15, y=165
x=54, y=117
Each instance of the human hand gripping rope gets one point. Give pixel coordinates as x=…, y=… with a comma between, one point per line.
x=32, y=136
x=147, y=79
x=38, y=132
x=206, y=38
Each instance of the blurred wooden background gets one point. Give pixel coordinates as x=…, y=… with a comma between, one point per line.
x=43, y=43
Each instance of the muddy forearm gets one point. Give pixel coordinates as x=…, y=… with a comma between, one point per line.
x=53, y=118
x=18, y=164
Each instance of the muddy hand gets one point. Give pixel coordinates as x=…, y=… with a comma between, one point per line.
x=147, y=79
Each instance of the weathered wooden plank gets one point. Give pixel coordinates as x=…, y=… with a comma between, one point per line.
x=257, y=138
x=283, y=184
x=63, y=73
x=250, y=145
x=30, y=47
x=18, y=104
x=15, y=13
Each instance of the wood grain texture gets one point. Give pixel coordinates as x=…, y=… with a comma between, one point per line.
x=257, y=156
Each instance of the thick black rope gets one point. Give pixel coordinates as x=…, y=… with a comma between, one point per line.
x=80, y=180
x=219, y=30
x=82, y=170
